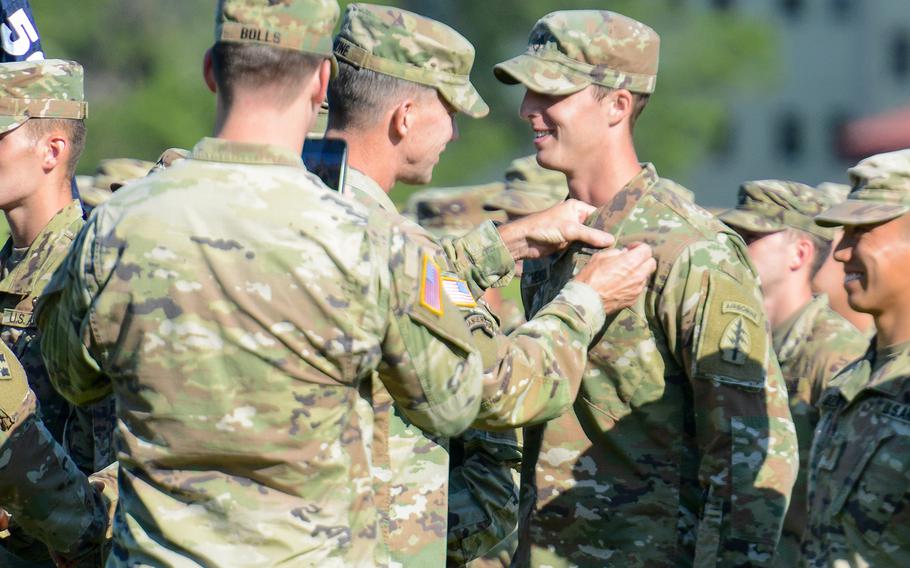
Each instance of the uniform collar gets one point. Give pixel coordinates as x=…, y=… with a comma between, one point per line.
x=788, y=335
x=49, y=246
x=611, y=215
x=885, y=371
x=366, y=191
x=219, y=150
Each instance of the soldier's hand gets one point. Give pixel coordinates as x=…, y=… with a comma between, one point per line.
x=619, y=276
x=544, y=233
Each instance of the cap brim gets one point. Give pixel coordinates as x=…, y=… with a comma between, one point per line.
x=856, y=212
x=465, y=99
x=539, y=75
x=8, y=123
x=752, y=222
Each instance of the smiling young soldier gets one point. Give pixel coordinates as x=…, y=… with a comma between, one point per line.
x=402, y=78
x=811, y=341
x=680, y=449
x=859, y=504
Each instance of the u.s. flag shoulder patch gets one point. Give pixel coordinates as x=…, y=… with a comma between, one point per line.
x=457, y=290
x=431, y=285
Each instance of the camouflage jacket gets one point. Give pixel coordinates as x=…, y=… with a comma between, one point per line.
x=811, y=347
x=483, y=505
x=859, y=504
x=238, y=332
x=680, y=449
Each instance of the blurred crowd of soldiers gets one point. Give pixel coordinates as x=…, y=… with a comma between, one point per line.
x=216, y=360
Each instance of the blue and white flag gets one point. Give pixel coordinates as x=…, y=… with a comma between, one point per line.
x=18, y=32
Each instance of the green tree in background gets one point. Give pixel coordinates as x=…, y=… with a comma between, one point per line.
x=143, y=65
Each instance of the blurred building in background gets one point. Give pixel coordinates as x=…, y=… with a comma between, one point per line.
x=842, y=92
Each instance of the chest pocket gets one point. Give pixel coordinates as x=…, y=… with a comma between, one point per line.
x=533, y=292
x=621, y=365
x=868, y=466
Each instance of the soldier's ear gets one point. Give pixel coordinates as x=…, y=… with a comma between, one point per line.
x=207, y=73
x=55, y=150
x=402, y=120
x=619, y=106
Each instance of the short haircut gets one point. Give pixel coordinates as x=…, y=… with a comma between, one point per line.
x=639, y=102
x=276, y=72
x=822, y=249
x=358, y=97
x=36, y=128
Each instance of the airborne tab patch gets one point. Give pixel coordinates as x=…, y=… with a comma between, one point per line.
x=431, y=286
x=457, y=290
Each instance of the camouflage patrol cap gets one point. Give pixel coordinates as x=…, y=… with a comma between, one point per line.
x=411, y=47
x=453, y=211
x=117, y=172
x=51, y=88
x=880, y=192
x=833, y=192
x=769, y=206
x=571, y=49
x=300, y=25
x=529, y=188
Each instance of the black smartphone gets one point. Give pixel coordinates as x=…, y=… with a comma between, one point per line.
x=328, y=159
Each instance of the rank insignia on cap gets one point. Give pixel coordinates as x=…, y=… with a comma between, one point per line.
x=431, y=286
x=458, y=291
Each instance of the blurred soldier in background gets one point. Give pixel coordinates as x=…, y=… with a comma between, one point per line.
x=43, y=135
x=859, y=506
x=109, y=176
x=812, y=342
x=829, y=280
x=402, y=78
x=680, y=450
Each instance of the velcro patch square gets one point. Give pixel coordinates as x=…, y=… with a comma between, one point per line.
x=431, y=285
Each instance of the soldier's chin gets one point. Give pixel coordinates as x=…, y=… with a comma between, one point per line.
x=547, y=159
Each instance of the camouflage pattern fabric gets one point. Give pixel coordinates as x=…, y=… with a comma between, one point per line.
x=50, y=88
x=833, y=192
x=680, y=450
x=454, y=211
x=529, y=188
x=409, y=46
x=880, y=192
x=859, y=507
x=110, y=175
x=769, y=206
x=812, y=347
x=483, y=500
x=240, y=348
x=85, y=433
x=40, y=486
x=168, y=158
x=572, y=49
x=289, y=24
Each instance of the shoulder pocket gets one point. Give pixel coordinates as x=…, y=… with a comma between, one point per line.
x=731, y=341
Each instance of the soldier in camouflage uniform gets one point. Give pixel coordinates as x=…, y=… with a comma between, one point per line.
x=42, y=114
x=680, y=450
x=859, y=505
x=811, y=341
x=109, y=176
x=829, y=280
x=396, y=67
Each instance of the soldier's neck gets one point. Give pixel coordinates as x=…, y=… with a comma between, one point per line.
x=370, y=154
x=892, y=326
x=785, y=300
x=28, y=217
x=249, y=121
x=597, y=179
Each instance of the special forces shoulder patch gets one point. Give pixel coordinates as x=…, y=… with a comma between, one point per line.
x=731, y=340
x=431, y=285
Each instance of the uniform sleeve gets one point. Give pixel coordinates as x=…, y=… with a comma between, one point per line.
x=711, y=311
x=64, y=319
x=430, y=366
x=483, y=494
x=480, y=258
x=533, y=374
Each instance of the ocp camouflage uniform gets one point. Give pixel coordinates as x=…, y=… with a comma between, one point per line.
x=483, y=503
x=239, y=333
x=110, y=175
x=46, y=89
x=680, y=450
x=813, y=345
x=859, y=506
